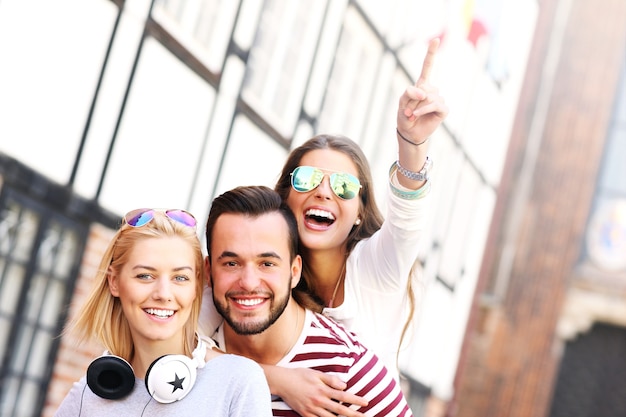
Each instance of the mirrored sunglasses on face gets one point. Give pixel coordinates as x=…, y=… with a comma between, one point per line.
x=141, y=217
x=345, y=186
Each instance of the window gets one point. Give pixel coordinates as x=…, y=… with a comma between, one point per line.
x=202, y=26
x=606, y=231
x=39, y=256
x=353, y=78
x=280, y=60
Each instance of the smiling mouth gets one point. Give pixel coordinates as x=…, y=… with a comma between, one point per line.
x=159, y=312
x=319, y=216
x=249, y=302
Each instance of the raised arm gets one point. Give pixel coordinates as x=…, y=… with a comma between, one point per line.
x=420, y=111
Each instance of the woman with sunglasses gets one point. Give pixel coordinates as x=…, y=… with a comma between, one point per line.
x=144, y=310
x=358, y=266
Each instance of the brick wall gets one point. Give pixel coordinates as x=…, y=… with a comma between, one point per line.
x=508, y=367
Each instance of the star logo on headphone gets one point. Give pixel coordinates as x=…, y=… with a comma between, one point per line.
x=177, y=383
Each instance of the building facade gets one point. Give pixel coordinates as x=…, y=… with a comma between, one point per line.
x=547, y=333
x=109, y=105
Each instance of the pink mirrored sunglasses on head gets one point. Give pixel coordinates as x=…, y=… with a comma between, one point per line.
x=141, y=217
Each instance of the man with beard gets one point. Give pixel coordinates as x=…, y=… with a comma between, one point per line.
x=254, y=267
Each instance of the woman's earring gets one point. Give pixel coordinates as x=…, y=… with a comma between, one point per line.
x=357, y=222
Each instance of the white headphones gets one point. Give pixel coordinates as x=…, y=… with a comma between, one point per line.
x=168, y=379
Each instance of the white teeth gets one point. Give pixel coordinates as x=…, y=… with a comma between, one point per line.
x=320, y=213
x=159, y=313
x=250, y=301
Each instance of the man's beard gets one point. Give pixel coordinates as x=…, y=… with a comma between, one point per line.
x=245, y=328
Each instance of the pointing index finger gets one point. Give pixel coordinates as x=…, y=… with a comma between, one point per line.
x=429, y=60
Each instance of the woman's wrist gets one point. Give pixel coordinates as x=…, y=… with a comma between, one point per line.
x=411, y=141
x=421, y=175
x=403, y=192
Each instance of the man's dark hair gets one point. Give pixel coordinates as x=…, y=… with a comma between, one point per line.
x=252, y=201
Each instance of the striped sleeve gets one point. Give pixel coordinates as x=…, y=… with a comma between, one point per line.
x=330, y=348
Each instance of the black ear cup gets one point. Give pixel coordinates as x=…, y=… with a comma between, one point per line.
x=171, y=377
x=110, y=377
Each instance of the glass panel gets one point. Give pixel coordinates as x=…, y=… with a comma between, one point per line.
x=613, y=178
x=49, y=244
x=606, y=235
x=158, y=112
x=5, y=326
x=20, y=356
x=66, y=254
x=26, y=233
x=11, y=287
x=280, y=60
x=458, y=235
x=36, y=292
x=52, y=303
x=71, y=38
x=359, y=53
x=27, y=400
x=620, y=102
x=3, y=276
x=202, y=26
x=9, y=218
x=174, y=7
x=606, y=229
x=37, y=361
x=9, y=395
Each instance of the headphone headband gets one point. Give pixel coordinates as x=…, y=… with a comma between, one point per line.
x=199, y=353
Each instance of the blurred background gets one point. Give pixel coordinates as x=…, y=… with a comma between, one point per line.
x=110, y=105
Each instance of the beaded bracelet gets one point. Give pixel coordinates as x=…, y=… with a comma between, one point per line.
x=409, y=140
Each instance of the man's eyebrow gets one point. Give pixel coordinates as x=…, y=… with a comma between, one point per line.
x=227, y=254
x=230, y=254
x=269, y=255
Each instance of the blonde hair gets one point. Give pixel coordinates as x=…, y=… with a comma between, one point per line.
x=102, y=317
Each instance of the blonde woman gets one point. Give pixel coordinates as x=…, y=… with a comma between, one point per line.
x=144, y=311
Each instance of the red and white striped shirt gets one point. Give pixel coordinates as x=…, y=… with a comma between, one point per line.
x=326, y=346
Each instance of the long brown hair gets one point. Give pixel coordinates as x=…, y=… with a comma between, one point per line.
x=369, y=213
x=102, y=317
